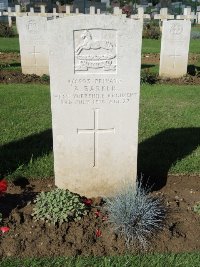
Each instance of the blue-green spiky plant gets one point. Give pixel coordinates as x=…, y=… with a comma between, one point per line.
x=135, y=214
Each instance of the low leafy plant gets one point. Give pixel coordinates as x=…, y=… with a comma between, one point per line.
x=136, y=215
x=193, y=70
x=148, y=77
x=196, y=208
x=6, y=31
x=195, y=35
x=151, y=31
x=45, y=78
x=58, y=206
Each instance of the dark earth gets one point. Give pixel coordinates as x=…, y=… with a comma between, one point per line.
x=10, y=70
x=28, y=238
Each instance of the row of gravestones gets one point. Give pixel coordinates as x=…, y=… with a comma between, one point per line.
x=94, y=66
x=34, y=48
x=187, y=14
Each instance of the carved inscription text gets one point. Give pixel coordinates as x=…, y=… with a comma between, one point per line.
x=94, y=91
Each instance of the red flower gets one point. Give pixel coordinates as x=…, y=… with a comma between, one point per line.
x=4, y=229
x=87, y=201
x=98, y=233
x=97, y=213
x=3, y=186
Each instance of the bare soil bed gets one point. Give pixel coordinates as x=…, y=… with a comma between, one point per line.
x=16, y=76
x=148, y=61
x=27, y=238
x=155, y=59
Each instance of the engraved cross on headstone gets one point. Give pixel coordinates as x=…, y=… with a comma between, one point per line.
x=163, y=15
x=95, y=132
x=174, y=56
x=140, y=15
x=11, y=14
x=187, y=15
x=35, y=53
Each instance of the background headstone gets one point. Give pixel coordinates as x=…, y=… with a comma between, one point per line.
x=174, y=48
x=163, y=15
x=80, y=5
x=140, y=15
x=33, y=44
x=198, y=17
x=95, y=81
x=187, y=14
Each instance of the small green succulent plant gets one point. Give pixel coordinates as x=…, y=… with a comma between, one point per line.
x=196, y=208
x=58, y=206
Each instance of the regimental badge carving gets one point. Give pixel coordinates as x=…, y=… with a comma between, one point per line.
x=32, y=26
x=95, y=51
x=176, y=28
x=36, y=26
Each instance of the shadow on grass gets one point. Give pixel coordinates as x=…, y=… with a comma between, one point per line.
x=15, y=64
x=10, y=201
x=9, y=65
x=157, y=154
x=193, y=70
x=21, y=152
x=147, y=66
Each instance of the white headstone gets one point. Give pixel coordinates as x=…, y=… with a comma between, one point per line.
x=31, y=10
x=95, y=83
x=174, y=48
x=11, y=14
x=67, y=10
x=187, y=10
x=17, y=13
x=42, y=9
x=182, y=8
x=140, y=15
x=33, y=44
x=193, y=16
x=198, y=17
x=92, y=10
x=9, y=17
x=163, y=15
x=187, y=14
x=17, y=9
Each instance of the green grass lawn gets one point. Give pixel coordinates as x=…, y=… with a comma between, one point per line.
x=9, y=44
x=196, y=28
x=153, y=46
x=26, y=130
x=148, y=45
x=169, y=130
x=157, y=260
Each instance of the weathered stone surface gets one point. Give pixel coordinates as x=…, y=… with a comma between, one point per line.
x=198, y=17
x=95, y=81
x=174, y=48
x=33, y=44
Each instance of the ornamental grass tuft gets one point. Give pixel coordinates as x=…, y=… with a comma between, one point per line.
x=136, y=215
